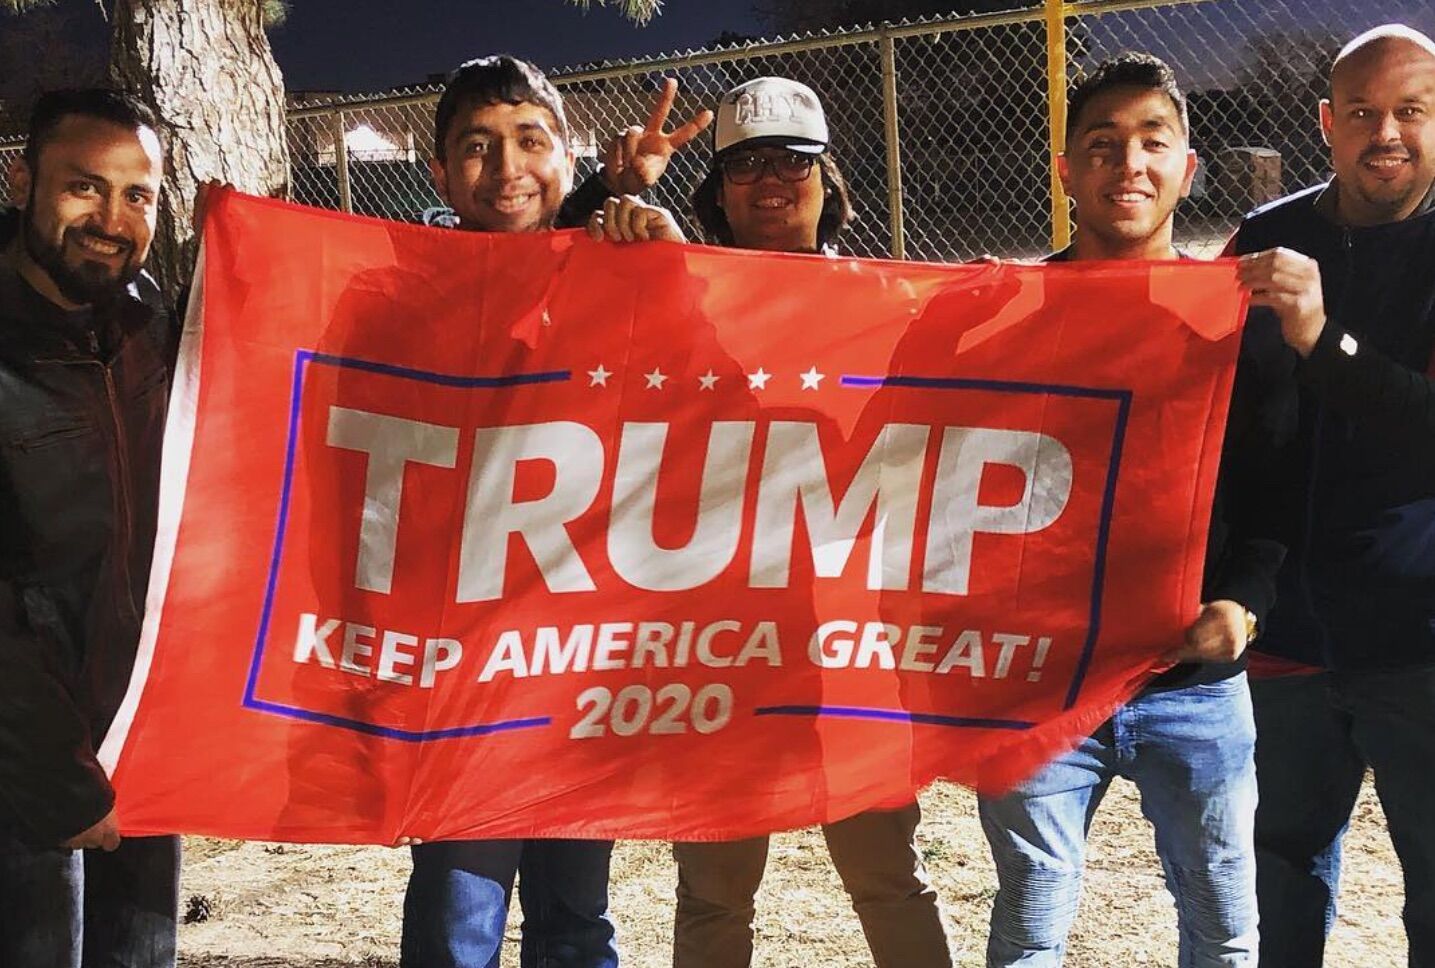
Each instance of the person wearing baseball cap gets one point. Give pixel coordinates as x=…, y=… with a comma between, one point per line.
x=773, y=185
x=769, y=136
x=759, y=193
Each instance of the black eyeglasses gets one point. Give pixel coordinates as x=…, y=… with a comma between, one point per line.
x=794, y=166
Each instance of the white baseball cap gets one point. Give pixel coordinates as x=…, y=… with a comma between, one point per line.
x=770, y=111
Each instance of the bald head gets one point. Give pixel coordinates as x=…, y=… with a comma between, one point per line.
x=1380, y=125
x=1377, y=44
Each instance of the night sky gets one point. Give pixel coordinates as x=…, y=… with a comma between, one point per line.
x=325, y=45
x=378, y=45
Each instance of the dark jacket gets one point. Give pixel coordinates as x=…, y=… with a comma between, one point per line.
x=1352, y=484
x=582, y=202
x=1243, y=552
x=82, y=406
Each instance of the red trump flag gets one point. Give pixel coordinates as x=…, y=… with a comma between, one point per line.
x=468, y=535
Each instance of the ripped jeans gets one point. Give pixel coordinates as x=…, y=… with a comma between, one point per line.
x=1190, y=752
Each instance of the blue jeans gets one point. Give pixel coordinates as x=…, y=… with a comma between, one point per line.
x=1318, y=734
x=1189, y=752
x=457, y=904
x=89, y=909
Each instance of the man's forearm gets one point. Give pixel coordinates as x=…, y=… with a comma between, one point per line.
x=1365, y=384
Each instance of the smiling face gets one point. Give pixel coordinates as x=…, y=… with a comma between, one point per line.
x=90, y=207
x=1380, y=125
x=505, y=168
x=772, y=213
x=1127, y=167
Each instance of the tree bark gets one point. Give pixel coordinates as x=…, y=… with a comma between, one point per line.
x=206, y=68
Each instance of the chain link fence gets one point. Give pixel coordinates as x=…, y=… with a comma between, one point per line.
x=10, y=152
x=940, y=127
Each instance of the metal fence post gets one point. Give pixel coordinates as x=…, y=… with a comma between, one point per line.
x=1056, y=11
x=341, y=161
x=894, y=145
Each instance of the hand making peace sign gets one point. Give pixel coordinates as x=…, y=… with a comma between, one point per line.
x=636, y=158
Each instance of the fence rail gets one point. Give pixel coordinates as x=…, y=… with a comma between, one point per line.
x=945, y=129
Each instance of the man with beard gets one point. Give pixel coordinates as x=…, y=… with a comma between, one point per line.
x=84, y=374
x=1346, y=319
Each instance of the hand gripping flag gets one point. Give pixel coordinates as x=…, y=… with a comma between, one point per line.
x=467, y=535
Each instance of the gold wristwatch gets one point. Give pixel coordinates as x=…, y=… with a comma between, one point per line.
x=1251, y=630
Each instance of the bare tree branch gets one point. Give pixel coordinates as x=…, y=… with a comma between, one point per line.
x=638, y=11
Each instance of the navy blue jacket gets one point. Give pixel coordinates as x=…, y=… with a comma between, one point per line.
x=1352, y=480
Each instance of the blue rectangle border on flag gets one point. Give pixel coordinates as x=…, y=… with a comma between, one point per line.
x=303, y=359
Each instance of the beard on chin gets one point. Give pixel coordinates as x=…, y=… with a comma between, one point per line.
x=85, y=283
x=1382, y=194
x=1385, y=197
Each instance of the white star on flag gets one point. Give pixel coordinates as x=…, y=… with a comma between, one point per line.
x=599, y=377
x=758, y=380
x=708, y=380
x=811, y=378
x=656, y=379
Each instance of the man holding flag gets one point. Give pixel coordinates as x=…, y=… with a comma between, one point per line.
x=1187, y=741
x=1346, y=322
x=84, y=377
x=504, y=162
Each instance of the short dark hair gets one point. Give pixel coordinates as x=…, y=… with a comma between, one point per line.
x=1126, y=70
x=102, y=103
x=836, y=204
x=498, y=79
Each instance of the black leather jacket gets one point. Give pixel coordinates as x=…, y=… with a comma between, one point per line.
x=82, y=408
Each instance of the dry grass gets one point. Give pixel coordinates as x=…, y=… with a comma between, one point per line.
x=274, y=906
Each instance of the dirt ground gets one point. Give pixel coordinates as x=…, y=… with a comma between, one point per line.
x=282, y=906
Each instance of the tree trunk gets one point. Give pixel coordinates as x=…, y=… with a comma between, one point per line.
x=206, y=68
